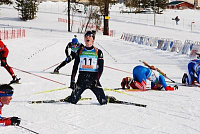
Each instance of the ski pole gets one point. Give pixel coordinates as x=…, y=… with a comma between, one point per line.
x=29, y=130
x=165, y=75
x=152, y=67
x=118, y=69
x=38, y=76
x=51, y=66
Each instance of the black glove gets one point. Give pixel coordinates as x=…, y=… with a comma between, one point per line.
x=72, y=85
x=15, y=121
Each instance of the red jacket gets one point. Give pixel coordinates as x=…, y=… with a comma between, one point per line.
x=4, y=121
x=3, y=50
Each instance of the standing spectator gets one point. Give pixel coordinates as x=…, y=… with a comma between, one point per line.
x=3, y=58
x=177, y=20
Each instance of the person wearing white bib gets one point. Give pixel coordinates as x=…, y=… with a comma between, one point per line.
x=90, y=61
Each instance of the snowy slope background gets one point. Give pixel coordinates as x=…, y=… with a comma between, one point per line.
x=44, y=44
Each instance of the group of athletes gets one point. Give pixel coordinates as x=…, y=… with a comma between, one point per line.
x=90, y=62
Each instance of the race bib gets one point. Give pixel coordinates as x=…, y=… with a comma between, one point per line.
x=88, y=61
x=75, y=48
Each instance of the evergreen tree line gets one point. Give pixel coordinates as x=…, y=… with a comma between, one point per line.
x=155, y=5
x=7, y=2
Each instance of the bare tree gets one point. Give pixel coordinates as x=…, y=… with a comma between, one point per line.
x=93, y=19
x=104, y=10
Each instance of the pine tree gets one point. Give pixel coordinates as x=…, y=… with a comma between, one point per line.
x=159, y=4
x=27, y=9
x=6, y=2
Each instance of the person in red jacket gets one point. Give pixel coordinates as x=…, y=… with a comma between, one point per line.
x=6, y=92
x=3, y=58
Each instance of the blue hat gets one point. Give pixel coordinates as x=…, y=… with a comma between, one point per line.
x=74, y=41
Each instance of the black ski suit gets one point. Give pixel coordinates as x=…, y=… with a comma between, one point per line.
x=71, y=56
x=88, y=79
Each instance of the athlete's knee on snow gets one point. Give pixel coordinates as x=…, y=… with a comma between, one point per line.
x=103, y=101
x=74, y=99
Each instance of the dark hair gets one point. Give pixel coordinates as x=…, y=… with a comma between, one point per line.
x=91, y=33
x=6, y=90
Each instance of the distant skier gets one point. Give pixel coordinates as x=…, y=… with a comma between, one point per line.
x=177, y=20
x=140, y=76
x=3, y=58
x=193, y=72
x=85, y=10
x=74, y=45
x=6, y=92
x=90, y=61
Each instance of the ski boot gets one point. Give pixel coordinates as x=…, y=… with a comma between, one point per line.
x=185, y=76
x=15, y=80
x=67, y=99
x=56, y=71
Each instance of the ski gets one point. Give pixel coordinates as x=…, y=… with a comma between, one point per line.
x=129, y=103
x=133, y=90
x=112, y=99
x=193, y=85
x=60, y=74
x=140, y=90
x=53, y=101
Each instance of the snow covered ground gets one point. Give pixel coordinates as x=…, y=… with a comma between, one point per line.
x=174, y=112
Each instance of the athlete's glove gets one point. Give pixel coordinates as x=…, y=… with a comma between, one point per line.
x=15, y=121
